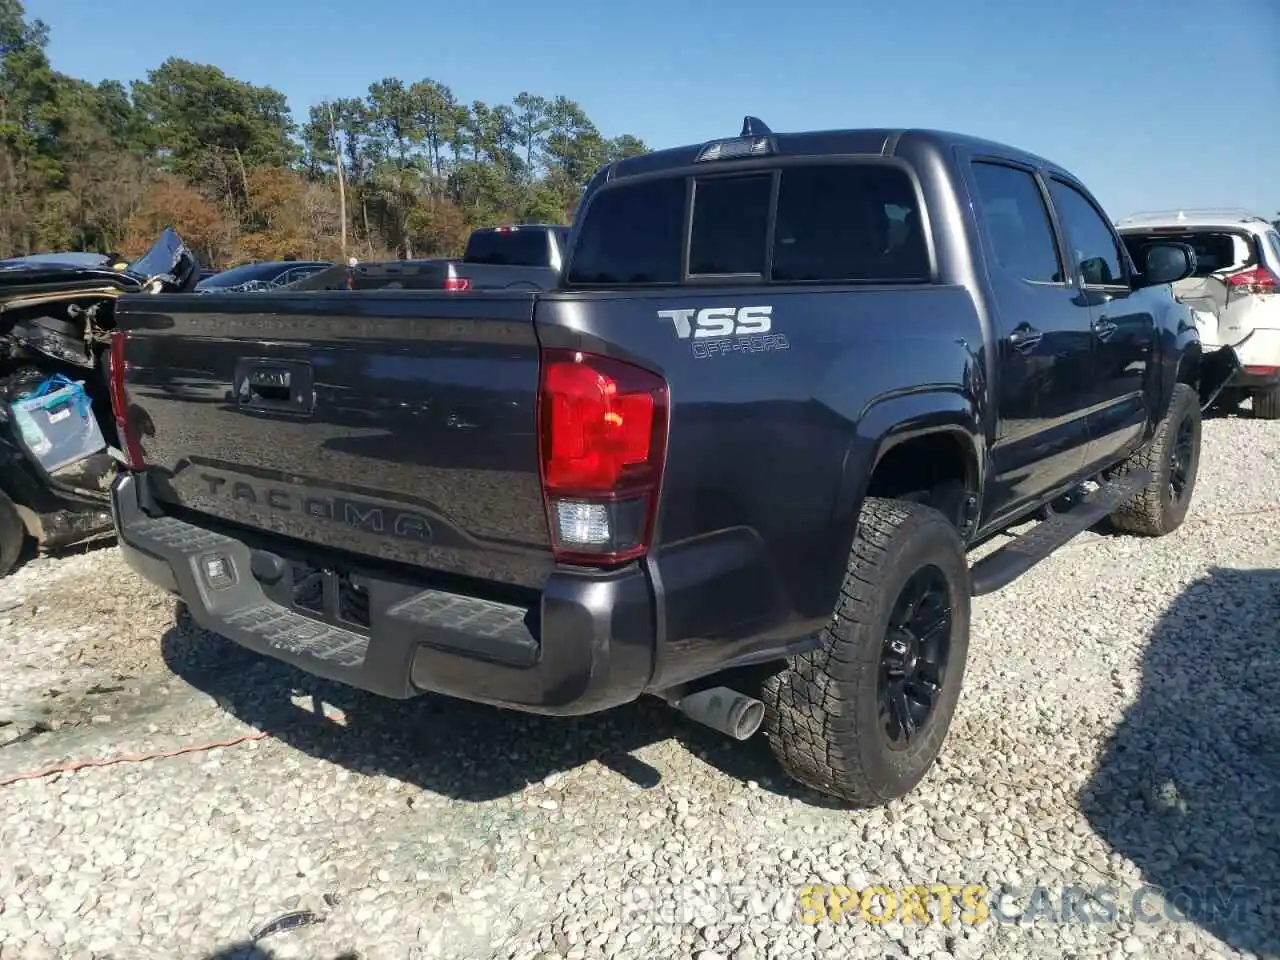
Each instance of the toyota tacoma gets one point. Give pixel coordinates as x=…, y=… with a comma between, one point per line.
x=738, y=458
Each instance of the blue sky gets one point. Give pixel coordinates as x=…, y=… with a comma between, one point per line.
x=1154, y=103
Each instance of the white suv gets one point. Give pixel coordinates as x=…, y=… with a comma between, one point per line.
x=1233, y=291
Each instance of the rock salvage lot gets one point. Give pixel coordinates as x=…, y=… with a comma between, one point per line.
x=1119, y=728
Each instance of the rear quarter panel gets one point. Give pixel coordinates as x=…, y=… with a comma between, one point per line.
x=772, y=438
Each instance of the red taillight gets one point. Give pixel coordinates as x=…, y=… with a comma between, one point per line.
x=457, y=283
x=1258, y=280
x=603, y=426
x=1262, y=371
x=120, y=403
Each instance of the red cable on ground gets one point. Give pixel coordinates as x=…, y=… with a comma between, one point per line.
x=130, y=758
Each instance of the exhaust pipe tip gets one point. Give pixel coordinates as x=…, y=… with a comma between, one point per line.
x=750, y=719
x=732, y=713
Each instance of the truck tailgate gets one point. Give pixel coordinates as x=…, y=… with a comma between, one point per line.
x=399, y=425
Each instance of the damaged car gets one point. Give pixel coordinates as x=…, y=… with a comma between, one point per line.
x=58, y=441
x=1234, y=293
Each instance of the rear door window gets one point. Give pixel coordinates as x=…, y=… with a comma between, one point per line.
x=854, y=223
x=833, y=223
x=1017, y=221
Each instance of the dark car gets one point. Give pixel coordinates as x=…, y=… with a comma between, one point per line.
x=260, y=276
x=57, y=312
x=738, y=458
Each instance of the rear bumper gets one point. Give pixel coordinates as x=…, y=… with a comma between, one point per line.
x=1259, y=353
x=586, y=645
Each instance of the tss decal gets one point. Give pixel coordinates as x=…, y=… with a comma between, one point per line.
x=719, y=321
x=717, y=331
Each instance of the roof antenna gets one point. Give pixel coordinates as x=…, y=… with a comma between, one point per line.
x=754, y=127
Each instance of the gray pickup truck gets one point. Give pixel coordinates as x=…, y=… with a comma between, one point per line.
x=736, y=459
x=518, y=257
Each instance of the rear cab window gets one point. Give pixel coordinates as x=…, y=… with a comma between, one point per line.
x=806, y=222
x=511, y=247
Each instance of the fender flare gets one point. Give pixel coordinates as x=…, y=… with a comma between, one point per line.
x=1182, y=352
x=1183, y=366
x=889, y=421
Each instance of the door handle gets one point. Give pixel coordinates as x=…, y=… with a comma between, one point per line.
x=1104, y=328
x=1024, y=337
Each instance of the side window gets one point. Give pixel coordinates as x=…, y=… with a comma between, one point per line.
x=1089, y=238
x=1017, y=220
x=1274, y=239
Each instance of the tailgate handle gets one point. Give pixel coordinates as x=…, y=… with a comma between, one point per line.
x=275, y=386
x=1024, y=337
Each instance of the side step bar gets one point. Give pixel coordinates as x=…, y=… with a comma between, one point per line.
x=1014, y=559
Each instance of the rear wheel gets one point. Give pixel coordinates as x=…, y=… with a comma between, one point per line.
x=1173, y=458
x=1266, y=403
x=864, y=716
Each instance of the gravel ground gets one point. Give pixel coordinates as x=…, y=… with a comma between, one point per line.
x=1119, y=736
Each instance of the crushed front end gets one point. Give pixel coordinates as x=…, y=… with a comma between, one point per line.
x=57, y=313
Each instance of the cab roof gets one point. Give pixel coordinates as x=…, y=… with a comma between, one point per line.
x=876, y=141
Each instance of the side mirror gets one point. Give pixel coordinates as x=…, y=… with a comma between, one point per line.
x=1167, y=263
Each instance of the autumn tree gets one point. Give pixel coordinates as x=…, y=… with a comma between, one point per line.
x=108, y=166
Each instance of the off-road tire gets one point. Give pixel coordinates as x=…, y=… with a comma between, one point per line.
x=822, y=714
x=13, y=536
x=1266, y=404
x=1155, y=512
